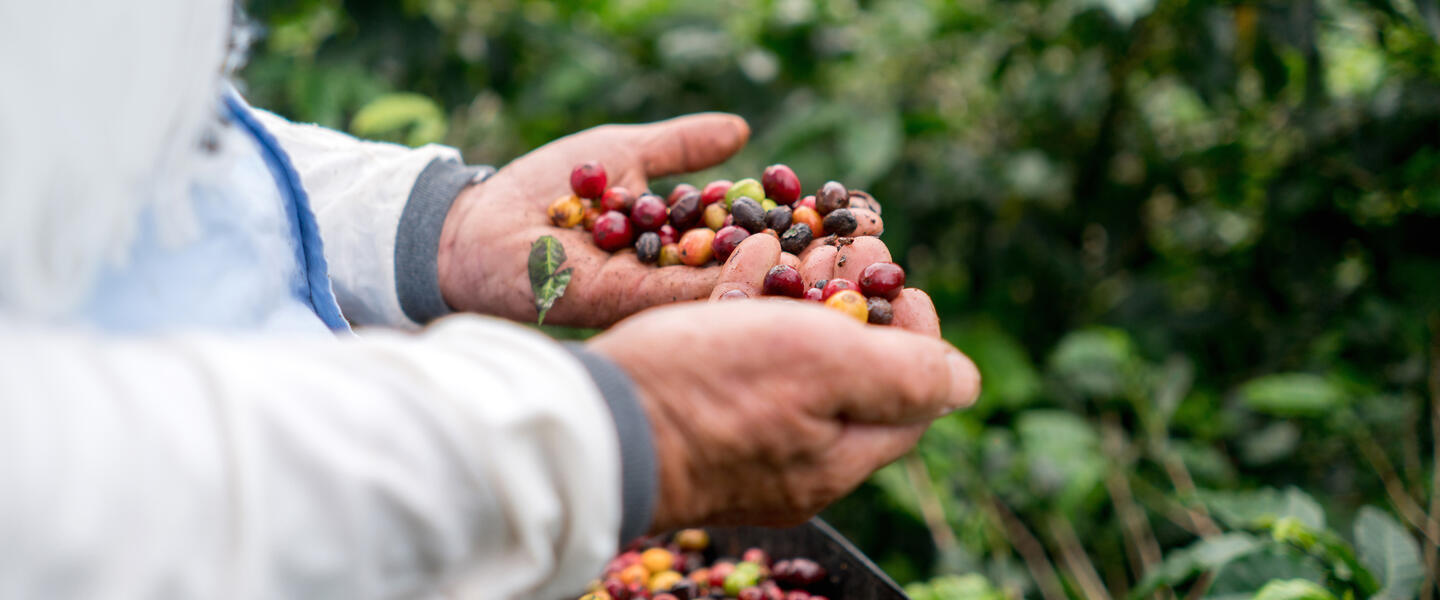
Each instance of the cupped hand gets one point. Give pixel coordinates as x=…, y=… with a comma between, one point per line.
x=487, y=235
x=765, y=411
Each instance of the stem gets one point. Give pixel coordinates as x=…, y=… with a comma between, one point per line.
x=1157, y=501
x=1031, y=551
x=1185, y=485
x=1141, y=546
x=931, y=508
x=1432, y=561
x=1408, y=508
x=1072, y=555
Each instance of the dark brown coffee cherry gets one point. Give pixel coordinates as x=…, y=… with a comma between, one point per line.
x=796, y=239
x=647, y=247
x=679, y=192
x=832, y=196
x=840, y=222
x=881, y=313
x=778, y=218
x=685, y=211
x=748, y=214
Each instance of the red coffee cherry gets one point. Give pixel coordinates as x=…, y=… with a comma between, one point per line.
x=685, y=211
x=679, y=192
x=884, y=279
x=837, y=284
x=618, y=199
x=613, y=231
x=782, y=280
x=715, y=191
x=588, y=179
x=726, y=240
x=649, y=213
x=781, y=184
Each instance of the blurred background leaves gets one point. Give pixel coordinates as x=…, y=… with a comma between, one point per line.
x=1191, y=245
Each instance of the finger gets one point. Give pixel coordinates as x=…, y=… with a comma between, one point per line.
x=606, y=287
x=903, y=377
x=867, y=222
x=915, y=312
x=790, y=260
x=817, y=263
x=852, y=259
x=864, y=448
x=745, y=269
x=690, y=143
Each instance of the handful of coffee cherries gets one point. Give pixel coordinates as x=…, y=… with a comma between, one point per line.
x=678, y=570
x=693, y=226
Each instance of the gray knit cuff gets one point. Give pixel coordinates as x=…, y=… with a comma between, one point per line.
x=639, y=483
x=417, y=240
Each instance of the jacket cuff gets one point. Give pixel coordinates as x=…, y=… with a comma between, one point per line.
x=417, y=239
x=638, y=474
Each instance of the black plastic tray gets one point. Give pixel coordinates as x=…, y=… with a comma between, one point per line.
x=850, y=575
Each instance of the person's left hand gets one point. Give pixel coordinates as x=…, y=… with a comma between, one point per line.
x=487, y=235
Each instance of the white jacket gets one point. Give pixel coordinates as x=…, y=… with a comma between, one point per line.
x=237, y=451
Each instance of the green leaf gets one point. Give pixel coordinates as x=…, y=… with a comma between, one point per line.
x=547, y=282
x=1293, y=395
x=1063, y=455
x=1388, y=551
x=402, y=117
x=1243, y=577
x=1262, y=507
x=1205, y=555
x=1293, y=589
x=1099, y=362
x=1125, y=11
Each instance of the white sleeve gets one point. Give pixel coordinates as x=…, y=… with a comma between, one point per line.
x=359, y=191
x=477, y=460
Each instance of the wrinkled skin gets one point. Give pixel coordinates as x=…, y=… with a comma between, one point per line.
x=487, y=235
x=774, y=423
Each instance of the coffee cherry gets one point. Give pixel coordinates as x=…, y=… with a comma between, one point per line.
x=734, y=295
x=831, y=196
x=714, y=191
x=756, y=555
x=796, y=239
x=597, y=595
x=685, y=590
x=720, y=571
x=649, y=213
x=750, y=593
x=668, y=234
x=808, y=201
x=588, y=179
x=863, y=199
x=838, y=284
x=700, y=576
x=664, y=580
x=840, y=222
x=820, y=284
x=797, y=595
x=591, y=214
x=850, y=302
x=778, y=218
x=647, y=247
x=748, y=214
x=746, y=188
x=696, y=247
x=810, y=217
x=740, y=579
x=767, y=204
x=664, y=596
x=657, y=559
x=881, y=313
x=799, y=572
x=679, y=192
x=883, y=279
x=782, y=280
x=685, y=211
x=715, y=215
x=566, y=211
x=670, y=255
x=726, y=240
x=693, y=539
x=619, y=199
x=613, y=231
x=634, y=575
x=781, y=184
x=814, y=294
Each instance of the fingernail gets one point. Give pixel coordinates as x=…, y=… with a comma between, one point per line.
x=734, y=295
x=964, y=381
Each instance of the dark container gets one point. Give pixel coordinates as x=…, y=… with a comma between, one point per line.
x=849, y=574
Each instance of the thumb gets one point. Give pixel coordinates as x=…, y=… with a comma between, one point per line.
x=690, y=143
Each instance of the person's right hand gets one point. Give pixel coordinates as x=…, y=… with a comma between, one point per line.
x=765, y=411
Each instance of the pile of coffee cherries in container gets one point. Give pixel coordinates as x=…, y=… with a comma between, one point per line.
x=694, y=226
x=678, y=570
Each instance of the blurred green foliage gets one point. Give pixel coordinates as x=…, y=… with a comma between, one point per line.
x=1193, y=246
